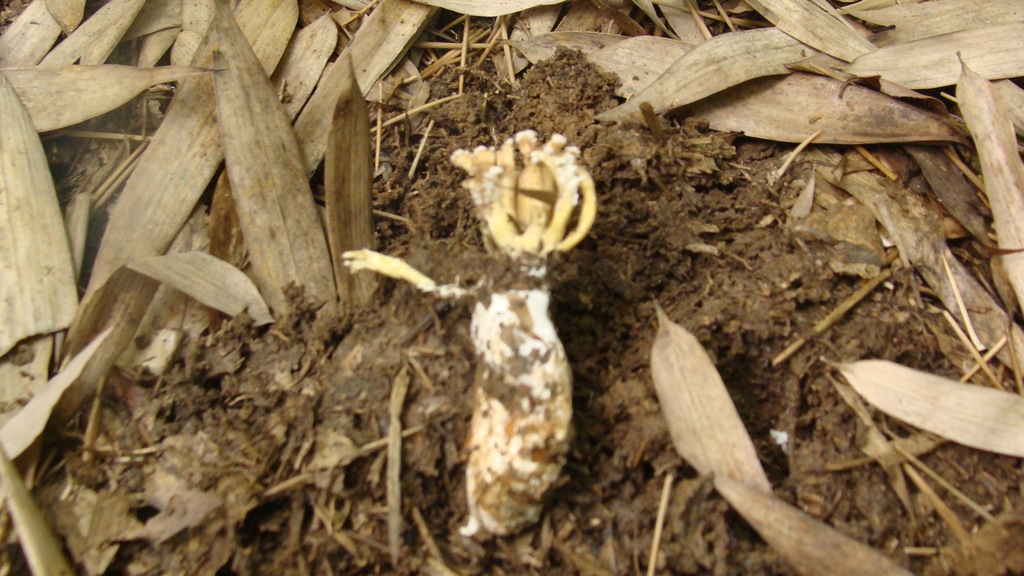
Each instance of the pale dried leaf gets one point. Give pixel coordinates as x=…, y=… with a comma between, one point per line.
x=1013, y=96
x=488, y=8
x=720, y=63
x=993, y=51
x=23, y=372
x=975, y=416
x=275, y=204
x=27, y=40
x=911, y=21
x=156, y=15
x=638, y=61
x=67, y=13
x=544, y=46
x=96, y=38
x=37, y=278
x=811, y=547
x=990, y=125
x=701, y=417
x=381, y=41
x=817, y=26
x=43, y=551
x=152, y=47
x=59, y=97
x=209, y=280
x=348, y=191
x=23, y=429
x=195, y=21
x=304, y=61
x=794, y=107
x=179, y=162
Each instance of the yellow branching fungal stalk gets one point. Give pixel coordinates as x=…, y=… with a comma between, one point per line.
x=522, y=416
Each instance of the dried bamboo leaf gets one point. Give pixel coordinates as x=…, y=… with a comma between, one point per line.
x=43, y=551
x=1013, y=96
x=37, y=278
x=638, y=61
x=156, y=15
x=975, y=416
x=20, y=380
x=990, y=125
x=96, y=38
x=211, y=281
x=23, y=429
x=792, y=108
x=348, y=183
x=153, y=46
x=29, y=37
x=67, y=13
x=720, y=63
x=705, y=427
x=910, y=225
x=488, y=8
x=59, y=97
x=812, y=547
x=870, y=5
x=915, y=21
x=951, y=187
x=543, y=46
x=381, y=41
x=179, y=162
x=993, y=51
x=275, y=204
x=195, y=22
x=816, y=25
x=304, y=61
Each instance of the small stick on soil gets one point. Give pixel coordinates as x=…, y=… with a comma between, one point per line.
x=652, y=562
x=725, y=16
x=492, y=41
x=874, y=161
x=987, y=358
x=967, y=172
x=971, y=349
x=698, y=20
x=963, y=498
x=377, y=138
x=508, y=55
x=833, y=316
x=433, y=550
x=419, y=151
x=462, y=64
x=410, y=113
x=943, y=510
x=792, y=155
x=104, y=191
x=399, y=386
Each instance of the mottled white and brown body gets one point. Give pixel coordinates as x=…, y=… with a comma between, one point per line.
x=519, y=434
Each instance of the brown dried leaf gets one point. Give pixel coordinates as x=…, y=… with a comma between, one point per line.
x=974, y=416
x=488, y=8
x=180, y=160
x=304, y=61
x=37, y=277
x=211, y=281
x=792, y=108
x=94, y=40
x=275, y=204
x=816, y=24
x=1013, y=96
x=705, y=427
x=993, y=51
x=59, y=97
x=544, y=46
x=27, y=40
x=990, y=125
x=381, y=41
x=913, y=21
x=348, y=194
x=718, y=64
x=22, y=430
x=812, y=547
x=950, y=186
x=638, y=61
x=156, y=15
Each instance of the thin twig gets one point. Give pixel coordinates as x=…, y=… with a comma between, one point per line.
x=967, y=172
x=996, y=349
x=698, y=20
x=409, y=113
x=399, y=387
x=659, y=523
x=874, y=161
x=963, y=498
x=961, y=306
x=971, y=349
x=792, y=155
x=419, y=150
x=725, y=16
x=943, y=510
x=380, y=117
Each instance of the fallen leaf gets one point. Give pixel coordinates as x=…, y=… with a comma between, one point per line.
x=992, y=129
x=272, y=195
x=303, y=63
x=37, y=277
x=22, y=430
x=543, y=46
x=993, y=51
x=156, y=15
x=816, y=24
x=638, y=61
x=701, y=417
x=59, y=97
x=794, y=107
x=975, y=416
x=96, y=38
x=913, y=21
x=811, y=547
x=722, y=62
x=29, y=37
x=67, y=13
x=488, y=8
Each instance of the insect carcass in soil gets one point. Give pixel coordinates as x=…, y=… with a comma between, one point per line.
x=519, y=433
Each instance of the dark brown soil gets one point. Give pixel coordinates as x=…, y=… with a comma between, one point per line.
x=247, y=459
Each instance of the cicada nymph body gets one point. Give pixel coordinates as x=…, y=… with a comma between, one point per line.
x=525, y=196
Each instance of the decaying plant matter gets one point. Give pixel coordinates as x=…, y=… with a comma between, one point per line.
x=523, y=407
